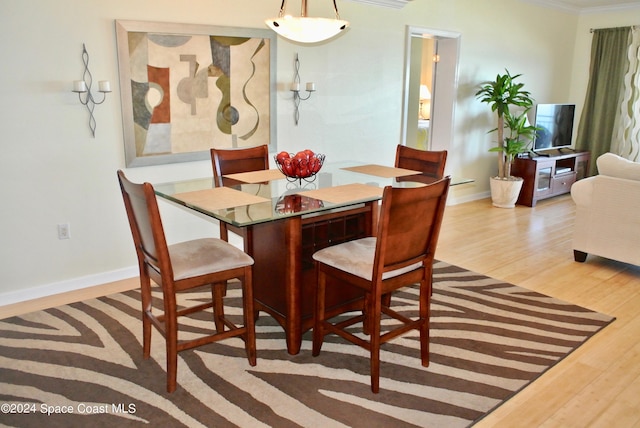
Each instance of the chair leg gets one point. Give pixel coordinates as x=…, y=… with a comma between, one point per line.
x=171, y=331
x=217, y=294
x=366, y=323
x=224, y=234
x=375, y=312
x=318, y=332
x=386, y=300
x=248, y=314
x=425, y=314
x=145, y=297
x=146, y=335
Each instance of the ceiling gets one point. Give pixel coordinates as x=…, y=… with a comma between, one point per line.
x=575, y=6
x=580, y=6
x=593, y=3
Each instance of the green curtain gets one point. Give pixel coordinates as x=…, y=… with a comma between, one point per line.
x=608, y=66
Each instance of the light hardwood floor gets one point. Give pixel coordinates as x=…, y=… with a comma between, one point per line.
x=596, y=386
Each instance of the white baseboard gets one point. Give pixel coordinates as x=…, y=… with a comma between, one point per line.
x=452, y=200
x=74, y=284
x=68, y=285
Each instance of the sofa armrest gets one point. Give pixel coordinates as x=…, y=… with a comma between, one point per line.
x=607, y=218
x=617, y=197
x=582, y=191
x=608, y=194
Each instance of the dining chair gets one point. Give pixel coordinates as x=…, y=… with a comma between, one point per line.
x=179, y=268
x=430, y=163
x=401, y=254
x=233, y=161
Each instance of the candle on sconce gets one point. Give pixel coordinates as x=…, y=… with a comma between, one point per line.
x=311, y=86
x=104, y=86
x=79, y=86
x=295, y=87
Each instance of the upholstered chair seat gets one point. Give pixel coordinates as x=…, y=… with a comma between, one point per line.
x=194, y=258
x=357, y=257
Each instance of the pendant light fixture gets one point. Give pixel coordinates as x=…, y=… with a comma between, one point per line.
x=304, y=29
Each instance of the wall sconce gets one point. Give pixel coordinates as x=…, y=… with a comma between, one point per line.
x=84, y=87
x=425, y=97
x=295, y=88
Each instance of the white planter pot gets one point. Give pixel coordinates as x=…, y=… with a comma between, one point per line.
x=505, y=192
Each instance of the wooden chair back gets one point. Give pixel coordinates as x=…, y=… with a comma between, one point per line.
x=146, y=227
x=409, y=226
x=233, y=161
x=430, y=163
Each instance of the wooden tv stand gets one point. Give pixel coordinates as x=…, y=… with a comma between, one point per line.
x=548, y=176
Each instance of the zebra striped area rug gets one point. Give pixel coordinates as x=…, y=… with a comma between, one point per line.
x=81, y=365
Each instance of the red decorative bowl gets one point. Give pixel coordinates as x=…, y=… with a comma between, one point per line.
x=303, y=165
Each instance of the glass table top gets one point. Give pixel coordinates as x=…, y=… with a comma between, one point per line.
x=243, y=204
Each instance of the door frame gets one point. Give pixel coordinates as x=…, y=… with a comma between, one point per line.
x=444, y=86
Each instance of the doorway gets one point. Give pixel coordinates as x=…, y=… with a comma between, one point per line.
x=431, y=75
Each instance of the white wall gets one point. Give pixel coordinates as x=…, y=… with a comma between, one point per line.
x=53, y=171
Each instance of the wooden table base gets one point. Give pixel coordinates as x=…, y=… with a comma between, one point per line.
x=284, y=275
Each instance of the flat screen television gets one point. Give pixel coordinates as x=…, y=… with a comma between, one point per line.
x=556, y=123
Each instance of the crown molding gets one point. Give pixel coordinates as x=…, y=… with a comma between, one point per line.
x=394, y=4
x=567, y=7
x=613, y=8
x=554, y=5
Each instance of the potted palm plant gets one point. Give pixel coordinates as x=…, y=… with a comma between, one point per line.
x=520, y=135
x=504, y=94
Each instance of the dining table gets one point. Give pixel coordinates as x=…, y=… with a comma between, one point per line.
x=286, y=221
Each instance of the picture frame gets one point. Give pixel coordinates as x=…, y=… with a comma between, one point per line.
x=186, y=88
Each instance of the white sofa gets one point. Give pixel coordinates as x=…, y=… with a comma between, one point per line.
x=608, y=211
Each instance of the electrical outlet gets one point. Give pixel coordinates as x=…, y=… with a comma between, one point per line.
x=64, y=231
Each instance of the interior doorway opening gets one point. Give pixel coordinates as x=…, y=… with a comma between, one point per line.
x=431, y=75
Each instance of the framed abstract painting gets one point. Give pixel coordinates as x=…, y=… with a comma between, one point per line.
x=186, y=88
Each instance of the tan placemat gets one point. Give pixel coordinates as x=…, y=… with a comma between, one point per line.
x=219, y=198
x=261, y=176
x=382, y=171
x=345, y=193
